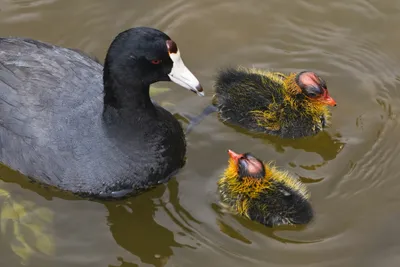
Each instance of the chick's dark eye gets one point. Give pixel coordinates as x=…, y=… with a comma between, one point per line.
x=156, y=61
x=312, y=95
x=242, y=163
x=313, y=91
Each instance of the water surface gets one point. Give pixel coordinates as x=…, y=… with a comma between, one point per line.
x=352, y=169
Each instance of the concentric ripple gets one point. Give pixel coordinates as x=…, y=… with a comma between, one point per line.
x=351, y=169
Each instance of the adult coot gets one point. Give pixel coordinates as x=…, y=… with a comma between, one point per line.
x=289, y=106
x=65, y=126
x=260, y=192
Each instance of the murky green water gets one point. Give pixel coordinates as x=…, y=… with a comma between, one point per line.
x=352, y=169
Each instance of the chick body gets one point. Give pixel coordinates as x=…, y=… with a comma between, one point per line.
x=275, y=199
x=268, y=102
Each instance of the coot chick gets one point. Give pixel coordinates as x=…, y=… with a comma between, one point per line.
x=70, y=123
x=289, y=106
x=260, y=192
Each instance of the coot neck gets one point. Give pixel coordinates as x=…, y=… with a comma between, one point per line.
x=126, y=94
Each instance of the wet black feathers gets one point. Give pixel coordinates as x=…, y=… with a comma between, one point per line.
x=280, y=205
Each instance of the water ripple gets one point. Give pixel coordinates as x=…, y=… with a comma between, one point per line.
x=352, y=166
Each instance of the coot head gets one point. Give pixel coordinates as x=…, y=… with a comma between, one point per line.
x=247, y=165
x=314, y=87
x=141, y=56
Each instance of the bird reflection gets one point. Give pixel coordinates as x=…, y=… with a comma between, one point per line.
x=324, y=144
x=133, y=225
x=132, y=221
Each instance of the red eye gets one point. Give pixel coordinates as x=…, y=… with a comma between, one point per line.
x=156, y=61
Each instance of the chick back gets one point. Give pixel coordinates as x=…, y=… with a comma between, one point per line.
x=239, y=92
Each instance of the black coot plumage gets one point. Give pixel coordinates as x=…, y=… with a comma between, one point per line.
x=63, y=125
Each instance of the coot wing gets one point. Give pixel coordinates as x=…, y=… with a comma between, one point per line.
x=49, y=96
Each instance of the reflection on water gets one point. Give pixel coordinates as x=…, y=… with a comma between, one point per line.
x=27, y=226
x=351, y=168
x=270, y=232
x=153, y=244
x=323, y=143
